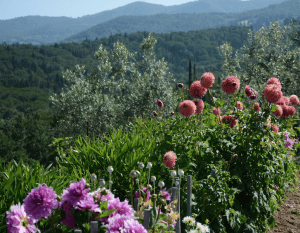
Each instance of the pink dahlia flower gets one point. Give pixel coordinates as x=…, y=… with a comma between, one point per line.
x=239, y=105
x=197, y=90
x=256, y=106
x=17, y=220
x=199, y=104
x=286, y=100
x=272, y=93
x=187, y=108
x=294, y=99
x=165, y=194
x=216, y=112
x=127, y=223
x=275, y=128
x=281, y=102
x=291, y=110
x=274, y=81
x=207, y=80
x=69, y=220
x=75, y=192
x=230, y=85
x=278, y=111
x=248, y=91
x=170, y=159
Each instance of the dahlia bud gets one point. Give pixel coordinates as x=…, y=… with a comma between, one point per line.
x=149, y=187
x=246, y=80
x=149, y=165
x=110, y=182
x=87, y=186
x=153, y=178
x=173, y=173
x=94, y=177
x=137, y=181
x=161, y=184
x=58, y=198
x=155, y=114
x=133, y=174
x=172, y=113
x=162, y=201
x=253, y=97
x=154, y=197
x=141, y=165
x=159, y=103
x=180, y=172
x=110, y=169
x=180, y=85
x=101, y=182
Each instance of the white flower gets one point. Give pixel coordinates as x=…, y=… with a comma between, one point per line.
x=189, y=220
x=192, y=231
x=202, y=228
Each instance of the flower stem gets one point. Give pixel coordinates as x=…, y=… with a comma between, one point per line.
x=132, y=192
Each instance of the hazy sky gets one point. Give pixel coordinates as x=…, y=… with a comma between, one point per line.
x=10, y=9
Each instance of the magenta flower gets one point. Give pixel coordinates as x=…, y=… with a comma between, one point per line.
x=103, y=194
x=40, y=201
x=276, y=187
x=69, y=220
x=144, y=190
x=89, y=204
x=17, y=220
x=170, y=159
x=123, y=223
x=165, y=194
x=289, y=142
x=75, y=192
x=159, y=103
x=123, y=209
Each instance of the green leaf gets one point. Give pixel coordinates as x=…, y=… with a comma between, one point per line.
x=107, y=213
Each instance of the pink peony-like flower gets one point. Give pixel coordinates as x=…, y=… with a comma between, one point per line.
x=294, y=99
x=272, y=93
x=207, y=80
x=170, y=159
x=69, y=220
x=286, y=100
x=89, y=204
x=187, y=108
x=123, y=223
x=40, y=201
x=239, y=105
x=278, y=111
x=197, y=90
x=274, y=81
x=230, y=119
x=216, y=112
x=256, y=106
x=123, y=209
x=275, y=128
x=18, y=221
x=75, y=192
x=230, y=85
x=291, y=110
x=199, y=104
x=248, y=91
x=281, y=102
x=103, y=195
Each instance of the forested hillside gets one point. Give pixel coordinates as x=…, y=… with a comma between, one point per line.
x=30, y=74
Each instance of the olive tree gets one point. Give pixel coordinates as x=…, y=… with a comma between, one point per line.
x=268, y=54
x=122, y=90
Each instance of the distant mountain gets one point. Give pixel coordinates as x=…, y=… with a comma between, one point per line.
x=47, y=30
x=166, y=23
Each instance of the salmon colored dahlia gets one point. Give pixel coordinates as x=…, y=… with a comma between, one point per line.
x=248, y=91
x=284, y=110
x=272, y=93
x=278, y=111
x=239, y=105
x=187, y=108
x=231, y=84
x=199, y=104
x=286, y=100
x=216, y=112
x=197, y=90
x=230, y=119
x=275, y=128
x=170, y=159
x=291, y=110
x=207, y=80
x=256, y=106
x=281, y=102
x=274, y=81
x=294, y=99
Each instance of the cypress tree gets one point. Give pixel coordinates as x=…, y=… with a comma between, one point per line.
x=195, y=78
x=190, y=73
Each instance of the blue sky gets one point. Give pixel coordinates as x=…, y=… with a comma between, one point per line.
x=10, y=9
